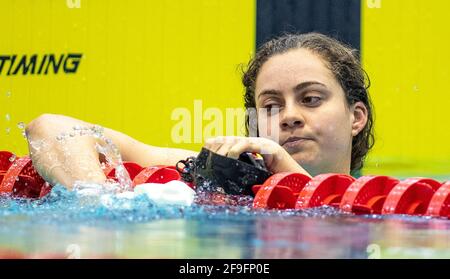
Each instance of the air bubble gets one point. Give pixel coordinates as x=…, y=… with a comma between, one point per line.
x=21, y=125
x=12, y=158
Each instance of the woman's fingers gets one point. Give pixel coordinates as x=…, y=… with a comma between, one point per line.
x=275, y=157
x=224, y=148
x=240, y=147
x=213, y=144
x=219, y=145
x=210, y=144
x=235, y=146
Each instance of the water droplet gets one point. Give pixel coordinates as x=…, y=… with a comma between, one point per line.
x=8, y=130
x=8, y=94
x=347, y=207
x=17, y=178
x=416, y=88
x=7, y=117
x=12, y=158
x=21, y=125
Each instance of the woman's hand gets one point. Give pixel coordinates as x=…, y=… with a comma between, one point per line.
x=63, y=162
x=275, y=157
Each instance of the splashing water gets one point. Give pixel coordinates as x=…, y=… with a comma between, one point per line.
x=113, y=158
x=209, y=194
x=84, y=207
x=108, y=149
x=103, y=145
x=8, y=117
x=109, y=207
x=12, y=158
x=22, y=126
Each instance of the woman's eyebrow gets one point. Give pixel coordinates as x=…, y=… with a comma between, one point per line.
x=271, y=92
x=298, y=88
x=302, y=86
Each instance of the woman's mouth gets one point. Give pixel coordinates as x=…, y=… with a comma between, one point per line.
x=294, y=142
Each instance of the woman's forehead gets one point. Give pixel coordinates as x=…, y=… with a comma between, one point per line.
x=284, y=71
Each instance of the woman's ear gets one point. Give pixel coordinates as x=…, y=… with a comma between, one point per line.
x=359, y=117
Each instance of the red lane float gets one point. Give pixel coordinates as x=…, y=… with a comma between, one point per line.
x=410, y=196
x=5, y=163
x=367, y=194
x=153, y=174
x=157, y=174
x=133, y=169
x=324, y=189
x=280, y=191
x=45, y=190
x=440, y=202
x=21, y=179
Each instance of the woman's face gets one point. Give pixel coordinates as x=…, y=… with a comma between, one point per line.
x=315, y=124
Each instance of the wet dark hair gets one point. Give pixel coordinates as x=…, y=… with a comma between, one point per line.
x=342, y=60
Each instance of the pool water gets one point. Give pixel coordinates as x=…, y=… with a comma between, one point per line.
x=66, y=224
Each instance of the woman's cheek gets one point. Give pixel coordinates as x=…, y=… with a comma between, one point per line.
x=317, y=129
x=268, y=127
x=334, y=135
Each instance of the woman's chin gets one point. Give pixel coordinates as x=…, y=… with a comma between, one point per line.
x=307, y=162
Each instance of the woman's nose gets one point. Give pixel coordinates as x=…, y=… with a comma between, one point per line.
x=291, y=118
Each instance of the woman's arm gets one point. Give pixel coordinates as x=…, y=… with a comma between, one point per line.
x=77, y=157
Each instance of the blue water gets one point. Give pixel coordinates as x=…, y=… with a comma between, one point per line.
x=67, y=224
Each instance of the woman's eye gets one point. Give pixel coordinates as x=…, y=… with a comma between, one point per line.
x=311, y=100
x=272, y=108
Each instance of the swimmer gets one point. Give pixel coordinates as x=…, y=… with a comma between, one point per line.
x=315, y=87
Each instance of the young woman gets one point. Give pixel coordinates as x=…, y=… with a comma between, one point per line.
x=313, y=85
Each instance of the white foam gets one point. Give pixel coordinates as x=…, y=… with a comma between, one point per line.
x=174, y=192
